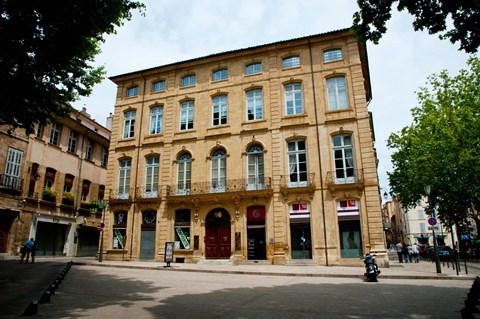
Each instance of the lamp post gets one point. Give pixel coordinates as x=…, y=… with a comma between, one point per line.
x=428, y=189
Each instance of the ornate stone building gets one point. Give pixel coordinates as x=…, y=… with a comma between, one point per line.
x=264, y=154
x=48, y=183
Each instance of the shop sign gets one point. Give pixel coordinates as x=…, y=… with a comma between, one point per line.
x=183, y=238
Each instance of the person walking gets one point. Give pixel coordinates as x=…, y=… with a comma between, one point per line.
x=410, y=253
x=416, y=253
x=399, y=252
x=27, y=249
x=405, y=254
x=33, y=252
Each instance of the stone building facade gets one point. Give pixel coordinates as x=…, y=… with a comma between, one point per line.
x=60, y=170
x=264, y=154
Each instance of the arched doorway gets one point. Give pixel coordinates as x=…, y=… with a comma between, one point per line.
x=217, y=234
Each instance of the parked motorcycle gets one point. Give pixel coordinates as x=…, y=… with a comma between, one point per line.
x=371, y=267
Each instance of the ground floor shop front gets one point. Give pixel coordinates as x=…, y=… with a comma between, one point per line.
x=249, y=230
x=54, y=234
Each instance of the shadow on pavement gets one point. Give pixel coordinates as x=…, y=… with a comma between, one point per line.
x=86, y=294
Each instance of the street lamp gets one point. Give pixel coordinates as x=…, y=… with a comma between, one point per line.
x=428, y=189
x=385, y=195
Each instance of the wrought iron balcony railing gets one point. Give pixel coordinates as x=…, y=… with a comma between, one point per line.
x=344, y=177
x=297, y=180
x=122, y=193
x=222, y=186
x=148, y=192
x=11, y=182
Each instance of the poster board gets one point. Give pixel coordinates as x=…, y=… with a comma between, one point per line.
x=169, y=246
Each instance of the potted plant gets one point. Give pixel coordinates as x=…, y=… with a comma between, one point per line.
x=49, y=195
x=67, y=198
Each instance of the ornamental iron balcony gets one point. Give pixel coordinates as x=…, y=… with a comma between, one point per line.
x=345, y=180
x=297, y=180
x=220, y=186
x=345, y=176
x=148, y=192
x=11, y=182
x=122, y=193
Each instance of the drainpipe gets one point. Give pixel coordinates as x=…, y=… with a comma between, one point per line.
x=77, y=195
x=136, y=169
x=319, y=154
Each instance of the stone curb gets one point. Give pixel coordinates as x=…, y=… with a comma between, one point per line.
x=269, y=273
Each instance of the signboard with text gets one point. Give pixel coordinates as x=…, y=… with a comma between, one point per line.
x=169, y=252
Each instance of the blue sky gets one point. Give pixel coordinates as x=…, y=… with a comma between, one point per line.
x=176, y=30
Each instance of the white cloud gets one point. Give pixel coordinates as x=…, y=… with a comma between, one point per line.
x=176, y=30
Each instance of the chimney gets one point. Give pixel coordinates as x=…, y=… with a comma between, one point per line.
x=84, y=111
x=109, y=122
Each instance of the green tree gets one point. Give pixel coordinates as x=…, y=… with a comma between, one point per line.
x=432, y=15
x=48, y=49
x=440, y=148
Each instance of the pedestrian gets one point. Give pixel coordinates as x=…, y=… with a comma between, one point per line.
x=416, y=252
x=27, y=249
x=410, y=253
x=33, y=251
x=405, y=253
x=399, y=252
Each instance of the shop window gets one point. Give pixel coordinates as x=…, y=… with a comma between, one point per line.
x=182, y=229
x=349, y=228
x=119, y=230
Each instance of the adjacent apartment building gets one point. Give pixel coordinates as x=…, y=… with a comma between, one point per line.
x=264, y=154
x=48, y=184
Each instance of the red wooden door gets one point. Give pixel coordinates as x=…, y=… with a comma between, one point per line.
x=217, y=236
x=211, y=240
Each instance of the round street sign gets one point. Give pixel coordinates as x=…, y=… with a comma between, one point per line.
x=432, y=221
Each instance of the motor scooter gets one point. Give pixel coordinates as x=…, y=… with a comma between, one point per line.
x=371, y=267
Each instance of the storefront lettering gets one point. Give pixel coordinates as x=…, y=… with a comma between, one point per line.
x=183, y=238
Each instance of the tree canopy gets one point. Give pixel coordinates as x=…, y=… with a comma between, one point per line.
x=432, y=15
x=48, y=49
x=440, y=148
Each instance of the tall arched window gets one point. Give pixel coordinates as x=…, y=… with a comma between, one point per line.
x=293, y=99
x=337, y=93
x=344, y=163
x=254, y=104
x=184, y=171
x=255, y=174
x=124, y=178
x=219, y=171
x=297, y=164
x=156, y=120
x=219, y=110
x=151, y=177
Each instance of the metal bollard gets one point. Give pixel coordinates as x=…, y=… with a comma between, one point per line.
x=45, y=297
x=51, y=289
x=32, y=309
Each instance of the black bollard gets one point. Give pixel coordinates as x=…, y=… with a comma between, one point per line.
x=45, y=297
x=51, y=289
x=32, y=309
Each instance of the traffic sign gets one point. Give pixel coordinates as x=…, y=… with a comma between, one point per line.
x=435, y=228
x=432, y=221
